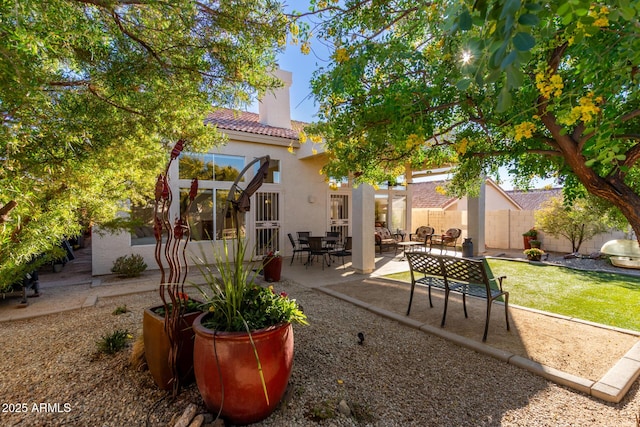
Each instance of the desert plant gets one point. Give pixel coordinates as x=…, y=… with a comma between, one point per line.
x=120, y=310
x=129, y=265
x=531, y=233
x=233, y=299
x=113, y=342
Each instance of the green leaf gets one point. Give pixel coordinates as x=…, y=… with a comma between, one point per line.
x=508, y=60
x=463, y=84
x=504, y=100
x=533, y=7
x=627, y=13
x=529, y=19
x=563, y=9
x=465, y=21
x=523, y=41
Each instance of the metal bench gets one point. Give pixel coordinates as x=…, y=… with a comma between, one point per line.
x=462, y=275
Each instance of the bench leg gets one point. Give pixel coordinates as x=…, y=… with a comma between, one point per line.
x=506, y=309
x=413, y=286
x=446, y=302
x=464, y=304
x=486, y=323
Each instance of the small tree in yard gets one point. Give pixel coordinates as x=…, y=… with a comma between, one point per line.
x=577, y=222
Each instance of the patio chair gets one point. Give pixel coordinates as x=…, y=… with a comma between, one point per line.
x=423, y=234
x=448, y=239
x=303, y=238
x=297, y=248
x=384, y=238
x=317, y=248
x=344, y=252
x=332, y=240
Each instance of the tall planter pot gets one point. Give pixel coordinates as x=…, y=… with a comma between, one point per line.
x=227, y=372
x=157, y=346
x=272, y=268
x=527, y=241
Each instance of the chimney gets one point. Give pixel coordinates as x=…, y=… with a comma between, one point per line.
x=275, y=109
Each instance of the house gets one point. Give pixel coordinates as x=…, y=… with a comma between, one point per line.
x=294, y=197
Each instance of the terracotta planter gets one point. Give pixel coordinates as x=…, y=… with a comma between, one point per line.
x=272, y=267
x=526, y=240
x=156, y=348
x=230, y=356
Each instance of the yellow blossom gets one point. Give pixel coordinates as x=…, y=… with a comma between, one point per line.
x=314, y=151
x=376, y=187
x=524, y=130
x=302, y=137
x=413, y=141
x=341, y=55
x=441, y=190
x=305, y=48
x=315, y=139
x=585, y=111
x=290, y=149
x=549, y=85
x=461, y=146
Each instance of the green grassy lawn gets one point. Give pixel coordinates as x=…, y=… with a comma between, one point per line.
x=607, y=298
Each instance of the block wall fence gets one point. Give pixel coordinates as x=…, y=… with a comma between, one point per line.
x=504, y=228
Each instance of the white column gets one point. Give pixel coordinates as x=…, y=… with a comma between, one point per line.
x=476, y=220
x=363, y=258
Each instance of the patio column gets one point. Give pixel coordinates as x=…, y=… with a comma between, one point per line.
x=363, y=249
x=476, y=220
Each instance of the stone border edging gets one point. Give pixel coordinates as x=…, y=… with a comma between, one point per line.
x=612, y=387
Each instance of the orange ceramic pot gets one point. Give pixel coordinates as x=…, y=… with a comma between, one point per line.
x=228, y=375
x=157, y=346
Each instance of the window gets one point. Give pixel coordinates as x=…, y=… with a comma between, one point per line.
x=227, y=168
x=142, y=233
x=194, y=165
x=200, y=213
x=210, y=167
x=225, y=225
x=273, y=174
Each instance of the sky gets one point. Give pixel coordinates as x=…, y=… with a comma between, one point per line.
x=304, y=107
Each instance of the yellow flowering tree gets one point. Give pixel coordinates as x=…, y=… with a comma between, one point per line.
x=549, y=89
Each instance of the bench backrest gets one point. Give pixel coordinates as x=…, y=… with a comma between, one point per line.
x=465, y=270
x=424, y=263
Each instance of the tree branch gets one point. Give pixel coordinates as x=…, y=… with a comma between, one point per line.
x=4, y=211
x=93, y=90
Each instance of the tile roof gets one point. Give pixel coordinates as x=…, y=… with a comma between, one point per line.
x=425, y=195
x=531, y=200
x=243, y=121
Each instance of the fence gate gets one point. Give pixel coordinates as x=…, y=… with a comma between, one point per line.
x=339, y=206
x=267, y=220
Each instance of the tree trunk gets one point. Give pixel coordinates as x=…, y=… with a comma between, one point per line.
x=611, y=188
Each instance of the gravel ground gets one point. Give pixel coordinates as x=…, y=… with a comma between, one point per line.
x=398, y=377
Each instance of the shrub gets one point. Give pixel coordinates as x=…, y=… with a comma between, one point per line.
x=129, y=265
x=114, y=342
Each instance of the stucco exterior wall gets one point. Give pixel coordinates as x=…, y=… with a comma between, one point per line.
x=304, y=200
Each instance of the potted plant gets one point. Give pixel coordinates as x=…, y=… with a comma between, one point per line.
x=528, y=236
x=243, y=350
x=272, y=266
x=535, y=243
x=533, y=254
